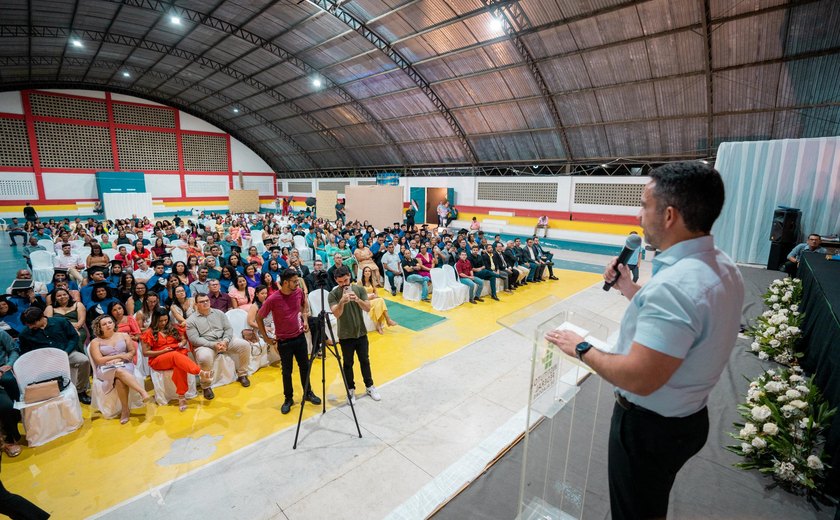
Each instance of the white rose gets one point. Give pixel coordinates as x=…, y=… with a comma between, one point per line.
x=746, y=447
x=795, y=378
x=796, y=313
x=793, y=394
x=774, y=298
x=793, y=330
x=760, y=413
x=776, y=306
x=762, y=355
x=774, y=386
x=774, y=343
x=770, y=331
x=781, y=398
x=755, y=346
x=786, y=297
x=759, y=443
x=799, y=404
x=802, y=389
x=814, y=462
x=794, y=307
x=788, y=410
x=767, y=314
x=748, y=430
x=804, y=422
x=771, y=372
x=770, y=429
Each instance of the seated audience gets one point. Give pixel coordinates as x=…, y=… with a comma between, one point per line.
x=151, y=301
x=219, y=300
x=113, y=355
x=813, y=245
x=391, y=265
x=464, y=269
x=67, y=259
x=125, y=322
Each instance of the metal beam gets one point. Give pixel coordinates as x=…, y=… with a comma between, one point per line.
x=271, y=47
x=380, y=43
x=707, y=62
x=514, y=12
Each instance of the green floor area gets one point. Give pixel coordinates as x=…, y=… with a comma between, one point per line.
x=411, y=318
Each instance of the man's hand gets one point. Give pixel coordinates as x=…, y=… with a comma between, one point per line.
x=4, y=369
x=221, y=347
x=625, y=281
x=305, y=324
x=566, y=340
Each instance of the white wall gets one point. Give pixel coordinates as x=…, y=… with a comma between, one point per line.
x=79, y=186
x=189, y=122
x=11, y=103
x=206, y=185
x=245, y=160
x=132, y=99
x=163, y=185
x=18, y=185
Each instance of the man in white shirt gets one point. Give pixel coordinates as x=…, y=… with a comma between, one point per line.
x=67, y=260
x=143, y=272
x=200, y=286
x=391, y=264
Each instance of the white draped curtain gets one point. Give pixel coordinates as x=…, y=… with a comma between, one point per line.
x=761, y=175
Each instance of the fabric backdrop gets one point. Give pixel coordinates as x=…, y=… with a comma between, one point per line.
x=761, y=175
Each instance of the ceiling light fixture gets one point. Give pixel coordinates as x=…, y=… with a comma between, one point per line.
x=76, y=43
x=317, y=82
x=496, y=24
x=126, y=74
x=176, y=20
x=235, y=110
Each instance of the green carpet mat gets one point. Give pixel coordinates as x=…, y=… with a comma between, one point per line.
x=411, y=318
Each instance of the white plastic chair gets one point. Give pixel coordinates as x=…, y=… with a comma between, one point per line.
x=76, y=245
x=179, y=255
x=257, y=240
x=303, y=249
x=461, y=290
x=412, y=291
x=132, y=237
x=177, y=242
x=239, y=322
x=443, y=296
x=111, y=253
x=83, y=253
x=164, y=386
x=42, y=266
x=47, y=244
x=315, y=306
x=47, y=420
x=108, y=403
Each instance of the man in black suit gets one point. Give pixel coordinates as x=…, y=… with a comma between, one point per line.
x=511, y=254
x=532, y=256
x=546, y=256
x=492, y=261
x=502, y=265
x=302, y=271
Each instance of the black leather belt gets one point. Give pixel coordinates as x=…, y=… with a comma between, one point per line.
x=627, y=405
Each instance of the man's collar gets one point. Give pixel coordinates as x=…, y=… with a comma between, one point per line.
x=681, y=250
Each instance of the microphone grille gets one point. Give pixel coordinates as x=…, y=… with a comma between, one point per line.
x=633, y=241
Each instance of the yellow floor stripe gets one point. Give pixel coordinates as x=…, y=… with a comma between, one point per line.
x=105, y=463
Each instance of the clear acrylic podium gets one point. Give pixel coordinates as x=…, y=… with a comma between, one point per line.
x=560, y=432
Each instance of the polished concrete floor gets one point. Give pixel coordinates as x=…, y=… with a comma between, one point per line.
x=453, y=396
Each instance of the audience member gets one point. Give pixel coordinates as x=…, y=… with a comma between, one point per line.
x=813, y=245
x=378, y=308
x=64, y=306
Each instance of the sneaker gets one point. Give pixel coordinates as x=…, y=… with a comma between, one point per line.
x=353, y=396
x=373, y=393
x=312, y=398
x=287, y=405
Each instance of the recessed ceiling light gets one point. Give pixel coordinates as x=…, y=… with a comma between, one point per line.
x=76, y=43
x=176, y=20
x=317, y=82
x=235, y=110
x=496, y=24
x=604, y=165
x=126, y=74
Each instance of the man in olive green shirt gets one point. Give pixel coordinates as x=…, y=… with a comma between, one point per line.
x=347, y=303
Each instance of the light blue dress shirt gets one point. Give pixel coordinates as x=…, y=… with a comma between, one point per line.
x=690, y=309
x=797, y=251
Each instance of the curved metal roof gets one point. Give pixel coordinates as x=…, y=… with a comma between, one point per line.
x=419, y=83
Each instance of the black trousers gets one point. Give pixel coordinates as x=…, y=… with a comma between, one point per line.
x=358, y=347
x=646, y=450
x=9, y=416
x=18, y=508
x=291, y=350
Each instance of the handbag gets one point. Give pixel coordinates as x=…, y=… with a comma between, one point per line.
x=43, y=390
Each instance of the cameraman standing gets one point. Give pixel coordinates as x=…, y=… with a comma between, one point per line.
x=348, y=303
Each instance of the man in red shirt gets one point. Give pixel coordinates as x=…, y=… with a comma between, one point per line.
x=290, y=311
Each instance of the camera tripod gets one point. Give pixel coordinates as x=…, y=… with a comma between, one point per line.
x=320, y=348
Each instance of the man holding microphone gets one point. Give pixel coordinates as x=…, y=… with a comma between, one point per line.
x=347, y=303
x=675, y=340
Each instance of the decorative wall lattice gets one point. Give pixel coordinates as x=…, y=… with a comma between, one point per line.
x=333, y=185
x=206, y=153
x=140, y=150
x=144, y=116
x=606, y=194
x=14, y=143
x=68, y=108
x=17, y=189
x=73, y=146
x=216, y=185
x=517, y=191
x=296, y=187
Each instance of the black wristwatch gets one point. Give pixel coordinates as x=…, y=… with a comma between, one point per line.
x=581, y=349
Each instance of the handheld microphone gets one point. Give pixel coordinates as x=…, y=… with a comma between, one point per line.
x=632, y=243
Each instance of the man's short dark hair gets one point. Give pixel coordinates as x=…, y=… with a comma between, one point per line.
x=692, y=188
x=31, y=316
x=288, y=274
x=815, y=235
x=341, y=271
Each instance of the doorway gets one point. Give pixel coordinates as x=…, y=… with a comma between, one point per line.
x=434, y=196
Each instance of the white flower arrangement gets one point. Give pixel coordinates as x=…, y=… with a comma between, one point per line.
x=776, y=331
x=783, y=434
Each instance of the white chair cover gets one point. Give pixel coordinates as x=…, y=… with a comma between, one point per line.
x=225, y=371
x=111, y=253
x=56, y=417
x=47, y=244
x=387, y=281
x=76, y=245
x=485, y=291
x=443, y=297
x=412, y=291
x=461, y=290
x=108, y=403
x=259, y=351
x=177, y=242
x=165, y=388
x=131, y=236
x=83, y=253
x=179, y=255
x=42, y=266
x=257, y=240
x=315, y=306
x=303, y=249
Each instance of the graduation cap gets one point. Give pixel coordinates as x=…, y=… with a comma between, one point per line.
x=275, y=248
x=62, y=270
x=157, y=262
x=22, y=284
x=117, y=262
x=103, y=283
x=237, y=249
x=265, y=242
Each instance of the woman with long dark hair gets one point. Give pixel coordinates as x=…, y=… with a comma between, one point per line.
x=151, y=301
x=125, y=322
x=242, y=293
x=97, y=257
x=64, y=306
x=378, y=309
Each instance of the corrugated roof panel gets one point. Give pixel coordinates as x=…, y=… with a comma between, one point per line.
x=808, y=122
x=336, y=51
x=503, y=53
x=628, y=102
x=536, y=113
x=743, y=127
x=504, y=117
x=332, y=158
x=618, y=64
x=540, y=12
x=571, y=8
x=517, y=147
x=294, y=125
x=813, y=27
x=607, y=28
x=481, y=27
x=746, y=89
x=16, y=12
x=441, y=151
x=399, y=105
x=550, y=42
x=812, y=81
x=662, y=15
x=381, y=84
x=448, y=38
x=471, y=120
x=487, y=148
x=279, y=17
x=357, y=135
x=684, y=136
x=295, y=162
x=367, y=9
x=415, y=50
x=435, y=70
x=564, y=74
x=578, y=108
x=320, y=99
x=681, y=96
x=338, y=116
x=634, y=139
x=487, y=88
x=375, y=155
x=520, y=82
x=424, y=13
x=749, y=39
x=312, y=141
x=723, y=8
x=454, y=94
x=676, y=54
x=588, y=141
x=549, y=145
x=358, y=68
x=416, y=128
